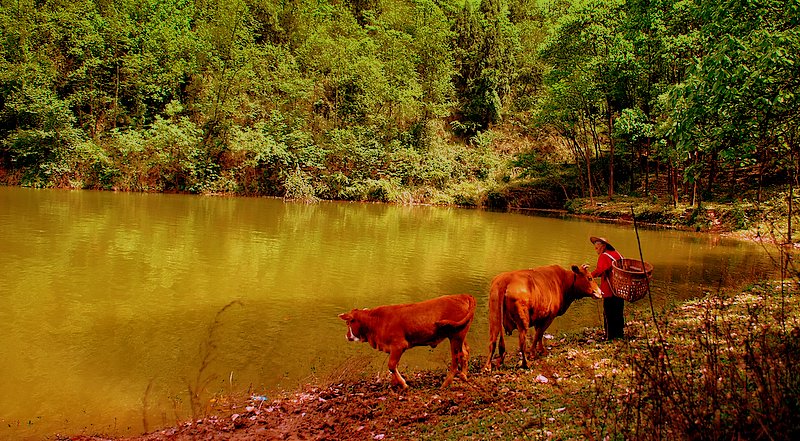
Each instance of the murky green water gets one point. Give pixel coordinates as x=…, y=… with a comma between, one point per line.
x=111, y=304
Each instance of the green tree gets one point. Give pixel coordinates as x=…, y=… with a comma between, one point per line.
x=738, y=104
x=486, y=47
x=588, y=78
x=42, y=140
x=39, y=133
x=434, y=64
x=535, y=21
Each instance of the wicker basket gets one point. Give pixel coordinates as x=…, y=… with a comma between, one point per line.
x=630, y=279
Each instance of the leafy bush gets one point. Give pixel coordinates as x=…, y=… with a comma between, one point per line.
x=91, y=167
x=356, y=152
x=467, y=193
x=44, y=141
x=298, y=186
x=437, y=169
x=258, y=158
x=404, y=164
x=479, y=163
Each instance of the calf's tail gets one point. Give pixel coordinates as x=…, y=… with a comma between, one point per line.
x=464, y=321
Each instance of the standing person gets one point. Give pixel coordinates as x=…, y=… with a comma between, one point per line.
x=613, y=306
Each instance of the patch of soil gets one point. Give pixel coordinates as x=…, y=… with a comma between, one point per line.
x=363, y=409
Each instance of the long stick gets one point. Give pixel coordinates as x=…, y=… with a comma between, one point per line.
x=671, y=378
x=647, y=280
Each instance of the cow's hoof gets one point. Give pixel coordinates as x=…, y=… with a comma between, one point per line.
x=400, y=389
x=448, y=381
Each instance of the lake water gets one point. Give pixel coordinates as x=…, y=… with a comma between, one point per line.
x=115, y=306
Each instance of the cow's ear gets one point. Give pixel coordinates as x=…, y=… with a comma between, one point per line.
x=575, y=269
x=346, y=316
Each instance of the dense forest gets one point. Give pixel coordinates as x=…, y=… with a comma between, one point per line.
x=439, y=101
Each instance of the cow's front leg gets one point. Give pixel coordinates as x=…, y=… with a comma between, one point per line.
x=394, y=359
x=538, y=345
x=501, y=351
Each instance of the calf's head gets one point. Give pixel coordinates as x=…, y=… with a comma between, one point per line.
x=355, y=331
x=584, y=285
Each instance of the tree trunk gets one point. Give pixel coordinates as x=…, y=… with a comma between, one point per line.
x=673, y=178
x=712, y=173
x=647, y=168
x=792, y=183
x=578, y=154
x=588, y=128
x=696, y=180
x=611, y=152
x=635, y=156
x=586, y=156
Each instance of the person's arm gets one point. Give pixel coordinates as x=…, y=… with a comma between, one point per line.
x=603, y=265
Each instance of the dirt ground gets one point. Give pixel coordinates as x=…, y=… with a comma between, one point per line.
x=508, y=403
x=355, y=410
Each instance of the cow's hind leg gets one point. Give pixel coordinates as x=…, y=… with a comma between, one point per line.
x=457, y=360
x=501, y=351
x=464, y=361
x=523, y=322
x=493, y=333
x=496, y=340
x=394, y=360
x=523, y=337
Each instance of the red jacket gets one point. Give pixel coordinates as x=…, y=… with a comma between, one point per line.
x=604, y=270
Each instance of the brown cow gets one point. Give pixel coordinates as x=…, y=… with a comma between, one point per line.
x=533, y=298
x=395, y=328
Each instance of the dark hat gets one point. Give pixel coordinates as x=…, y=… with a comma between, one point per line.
x=594, y=239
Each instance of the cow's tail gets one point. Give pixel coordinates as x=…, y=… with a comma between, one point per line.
x=497, y=300
x=498, y=290
x=464, y=321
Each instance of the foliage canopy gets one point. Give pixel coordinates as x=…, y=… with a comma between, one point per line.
x=401, y=100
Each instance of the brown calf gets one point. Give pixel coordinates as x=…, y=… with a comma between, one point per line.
x=395, y=328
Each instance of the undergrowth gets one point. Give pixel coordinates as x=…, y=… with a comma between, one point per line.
x=727, y=369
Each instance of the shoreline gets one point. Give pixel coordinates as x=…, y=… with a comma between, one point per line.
x=549, y=400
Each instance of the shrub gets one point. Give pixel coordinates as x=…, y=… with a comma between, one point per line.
x=297, y=186
x=44, y=140
x=467, y=193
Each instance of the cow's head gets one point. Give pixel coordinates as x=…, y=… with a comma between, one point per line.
x=354, y=328
x=584, y=285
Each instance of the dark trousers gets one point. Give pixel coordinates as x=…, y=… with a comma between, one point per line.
x=613, y=318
